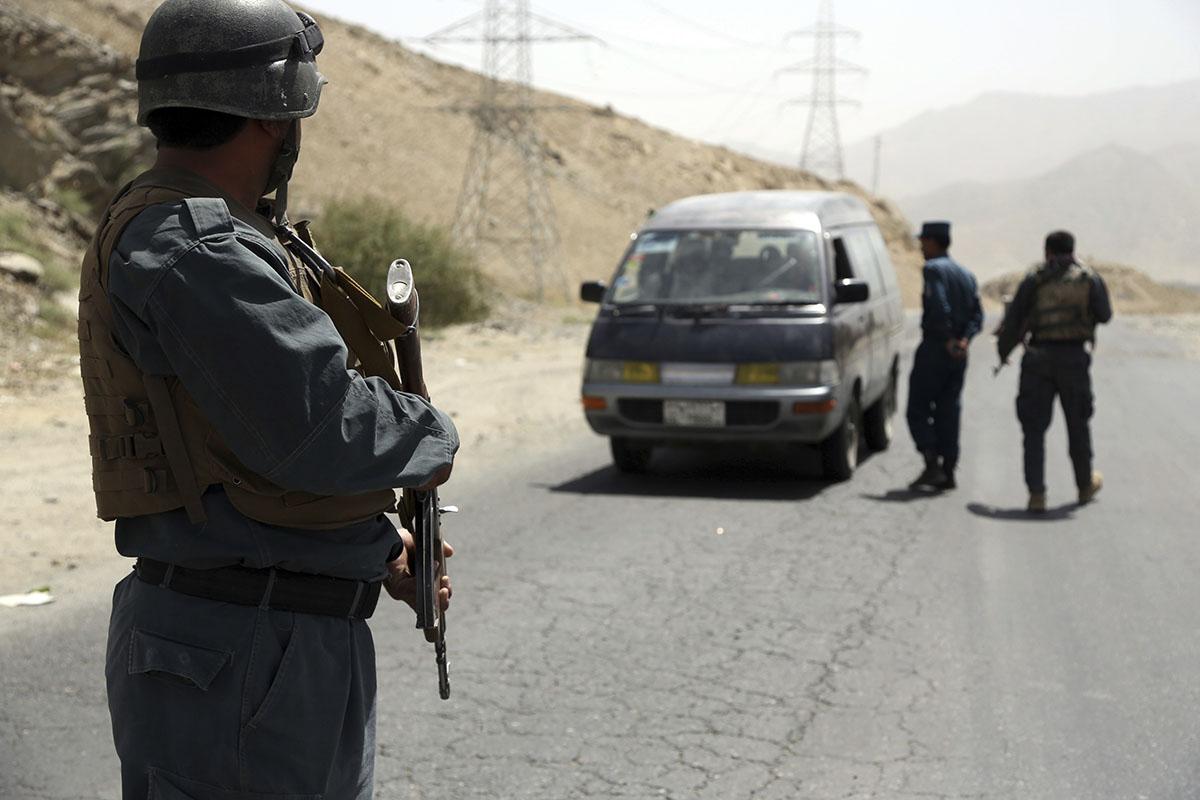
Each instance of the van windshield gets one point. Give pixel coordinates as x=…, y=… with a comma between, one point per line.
x=726, y=266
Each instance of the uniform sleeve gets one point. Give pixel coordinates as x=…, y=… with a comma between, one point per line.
x=975, y=314
x=268, y=369
x=938, y=319
x=1101, y=304
x=1016, y=316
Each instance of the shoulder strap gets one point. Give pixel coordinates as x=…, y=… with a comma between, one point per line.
x=174, y=448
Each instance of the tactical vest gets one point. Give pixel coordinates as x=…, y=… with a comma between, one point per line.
x=152, y=449
x=1062, y=308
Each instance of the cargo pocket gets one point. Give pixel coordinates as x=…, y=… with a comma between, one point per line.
x=174, y=662
x=165, y=786
x=292, y=738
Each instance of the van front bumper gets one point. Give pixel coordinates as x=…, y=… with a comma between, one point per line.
x=798, y=414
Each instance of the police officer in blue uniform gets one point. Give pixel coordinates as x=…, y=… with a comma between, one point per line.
x=952, y=317
x=1054, y=314
x=241, y=442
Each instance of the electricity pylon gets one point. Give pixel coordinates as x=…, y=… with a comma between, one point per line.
x=822, y=151
x=504, y=208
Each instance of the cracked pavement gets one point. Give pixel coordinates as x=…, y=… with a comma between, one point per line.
x=730, y=627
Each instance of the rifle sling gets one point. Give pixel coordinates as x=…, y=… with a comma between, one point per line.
x=173, y=446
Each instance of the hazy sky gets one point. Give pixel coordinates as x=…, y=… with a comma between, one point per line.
x=708, y=69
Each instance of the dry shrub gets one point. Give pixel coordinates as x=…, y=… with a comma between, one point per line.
x=365, y=236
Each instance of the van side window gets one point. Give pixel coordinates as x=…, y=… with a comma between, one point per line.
x=863, y=257
x=841, y=261
x=885, y=260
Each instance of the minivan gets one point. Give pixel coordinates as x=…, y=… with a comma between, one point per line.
x=764, y=316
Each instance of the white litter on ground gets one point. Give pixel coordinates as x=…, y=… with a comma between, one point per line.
x=29, y=599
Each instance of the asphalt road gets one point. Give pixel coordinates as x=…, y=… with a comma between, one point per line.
x=732, y=627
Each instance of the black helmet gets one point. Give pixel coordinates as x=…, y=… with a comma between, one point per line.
x=249, y=58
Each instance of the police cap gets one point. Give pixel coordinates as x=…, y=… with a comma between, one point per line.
x=937, y=231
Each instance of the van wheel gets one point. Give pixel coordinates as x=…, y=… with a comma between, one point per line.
x=840, y=451
x=630, y=456
x=879, y=421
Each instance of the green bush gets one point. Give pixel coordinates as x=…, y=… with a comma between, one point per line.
x=365, y=236
x=17, y=234
x=73, y=201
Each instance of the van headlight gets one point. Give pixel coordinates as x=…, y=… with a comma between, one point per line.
x=605, y=371
x=794, y=373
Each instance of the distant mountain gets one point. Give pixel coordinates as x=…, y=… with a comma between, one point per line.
x=1005, y=136
x=1123, y=205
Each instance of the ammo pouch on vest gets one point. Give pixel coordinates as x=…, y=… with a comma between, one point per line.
x=152, y=449
x=1062, y=308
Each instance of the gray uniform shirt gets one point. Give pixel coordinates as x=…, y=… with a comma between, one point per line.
x=204, y=294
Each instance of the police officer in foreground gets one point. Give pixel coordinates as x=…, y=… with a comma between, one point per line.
x=1054, y=314
x=952, y=317
x=246, y=435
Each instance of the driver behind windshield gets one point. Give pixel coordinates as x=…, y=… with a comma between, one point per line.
x=692, y=277
x=803, y=268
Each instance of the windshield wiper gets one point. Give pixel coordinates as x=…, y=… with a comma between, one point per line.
x=696, y=309
x=777, y=303
x=632, y=309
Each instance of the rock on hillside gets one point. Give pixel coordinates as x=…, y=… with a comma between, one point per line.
x=1132, y=291
x=66, y=112
x=383, y=132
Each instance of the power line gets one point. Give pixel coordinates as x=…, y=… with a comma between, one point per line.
x=666, y=12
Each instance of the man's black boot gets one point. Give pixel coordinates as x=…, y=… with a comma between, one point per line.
x=932, y=477
x=947, y=483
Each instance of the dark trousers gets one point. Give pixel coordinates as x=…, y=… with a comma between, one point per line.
x=1047, y=372
x=213, y=701
x=935, y=401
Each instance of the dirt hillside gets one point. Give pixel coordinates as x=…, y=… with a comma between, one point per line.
x=1132, y=291
x=382, y=133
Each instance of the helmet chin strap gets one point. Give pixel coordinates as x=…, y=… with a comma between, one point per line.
x=281, y=171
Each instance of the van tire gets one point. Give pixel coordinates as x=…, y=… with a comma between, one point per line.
x=878, y=422
x=839, y=453
x=630, y=456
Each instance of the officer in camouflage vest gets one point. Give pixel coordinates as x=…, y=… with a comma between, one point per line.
x=248, y=430
x=1054, y=314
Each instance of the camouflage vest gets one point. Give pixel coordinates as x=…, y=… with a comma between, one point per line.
x=152, y=449
x=1062, y=308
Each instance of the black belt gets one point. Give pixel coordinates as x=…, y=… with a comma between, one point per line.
x=278, y=589
x=1058, y=343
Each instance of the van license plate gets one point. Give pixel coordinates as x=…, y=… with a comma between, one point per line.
x=694, y=413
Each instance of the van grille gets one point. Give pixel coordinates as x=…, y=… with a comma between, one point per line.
x=751, y=412
x=738, y=413
x=648, y=412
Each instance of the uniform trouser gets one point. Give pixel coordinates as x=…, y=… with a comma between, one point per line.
x=935, y=401
x=1056, y=371
x=213, y=701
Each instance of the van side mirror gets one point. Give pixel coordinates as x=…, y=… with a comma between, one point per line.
x=852, y=291
x=593, y=292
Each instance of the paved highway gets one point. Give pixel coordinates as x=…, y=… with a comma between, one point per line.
x=732, y=627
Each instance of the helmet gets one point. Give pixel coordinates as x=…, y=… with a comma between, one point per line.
x=249, y=58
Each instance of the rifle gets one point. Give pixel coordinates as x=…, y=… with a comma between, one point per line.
x=420, y=509
x=1001, y=331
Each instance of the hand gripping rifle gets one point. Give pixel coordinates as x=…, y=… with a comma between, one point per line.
x=420, y=509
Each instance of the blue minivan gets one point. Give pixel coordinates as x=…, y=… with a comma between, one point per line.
x=767, y=316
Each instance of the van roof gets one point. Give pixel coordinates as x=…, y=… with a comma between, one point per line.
x=793, y=210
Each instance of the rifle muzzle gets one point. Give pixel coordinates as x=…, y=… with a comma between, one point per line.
x=403, y=302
